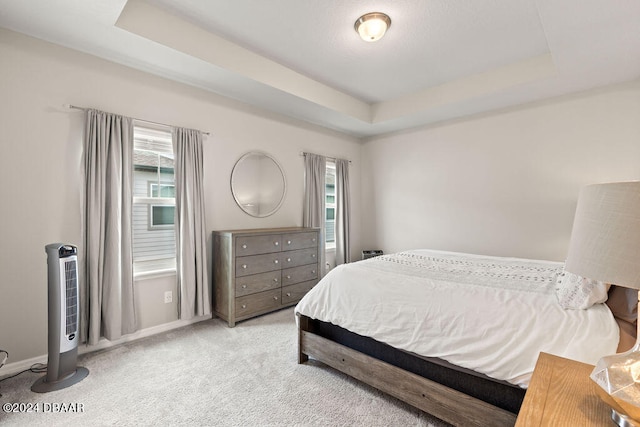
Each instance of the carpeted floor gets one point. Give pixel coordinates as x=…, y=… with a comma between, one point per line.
x=209, y=374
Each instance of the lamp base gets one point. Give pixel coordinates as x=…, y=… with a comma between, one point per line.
x=622, y=420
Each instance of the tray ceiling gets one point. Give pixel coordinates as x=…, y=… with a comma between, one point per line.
x=439, y=60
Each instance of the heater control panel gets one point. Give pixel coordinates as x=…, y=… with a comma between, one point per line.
x=67, y=250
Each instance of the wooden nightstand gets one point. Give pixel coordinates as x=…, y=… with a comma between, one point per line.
x=562, y=394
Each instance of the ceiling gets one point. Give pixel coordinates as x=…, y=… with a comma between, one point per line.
x=439, y=60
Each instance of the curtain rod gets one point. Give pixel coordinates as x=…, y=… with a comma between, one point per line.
x=303, y=153
x=75, y=107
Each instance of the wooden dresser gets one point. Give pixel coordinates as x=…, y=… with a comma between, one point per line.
x=262, y=270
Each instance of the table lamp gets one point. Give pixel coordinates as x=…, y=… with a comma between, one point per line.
x=605, y=246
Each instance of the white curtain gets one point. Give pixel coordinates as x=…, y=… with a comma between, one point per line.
x=315, y=170
x=343, y=206
x=107, y=305
x=191, y=237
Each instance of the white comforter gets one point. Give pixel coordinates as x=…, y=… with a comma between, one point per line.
x=489, y=314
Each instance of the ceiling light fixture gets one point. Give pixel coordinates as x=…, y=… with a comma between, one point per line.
x=372, y=26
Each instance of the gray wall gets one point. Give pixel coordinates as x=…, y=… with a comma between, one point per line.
x=500, y=184
x=41, y=169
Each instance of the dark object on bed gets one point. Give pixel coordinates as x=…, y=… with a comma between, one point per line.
x=452, y=394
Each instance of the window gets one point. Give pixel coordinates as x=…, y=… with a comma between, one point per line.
x=330, y=205
x=161, y=216
x=154, y=243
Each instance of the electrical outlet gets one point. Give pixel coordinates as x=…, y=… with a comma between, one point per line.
x=168, y=297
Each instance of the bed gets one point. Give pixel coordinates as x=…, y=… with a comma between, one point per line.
x=457, y=335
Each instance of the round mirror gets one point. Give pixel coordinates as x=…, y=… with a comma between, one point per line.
x=258, y=184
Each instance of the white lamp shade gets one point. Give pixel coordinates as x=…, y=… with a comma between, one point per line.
x=372, y=26
x=605, y=240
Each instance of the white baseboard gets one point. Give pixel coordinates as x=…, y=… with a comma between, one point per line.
x=21, y=365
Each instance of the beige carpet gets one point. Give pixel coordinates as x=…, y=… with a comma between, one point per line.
x=209, y=374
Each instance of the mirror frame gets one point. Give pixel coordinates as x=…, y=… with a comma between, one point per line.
x=234, y=171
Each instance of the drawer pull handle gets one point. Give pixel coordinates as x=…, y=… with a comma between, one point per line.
x=244, y=246
x=275, y=298
x=313, y=256
x=313, y=240
x=244, y=305
x=288, y=259
x=275, y=280
x=275, y=261
x=244, y=265
x=276, y=243
x=244, y=286
x=288, y=277
x=288, y=242
x=313, y=271
x=288, y=294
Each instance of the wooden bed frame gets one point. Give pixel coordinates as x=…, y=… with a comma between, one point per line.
x=444, y=402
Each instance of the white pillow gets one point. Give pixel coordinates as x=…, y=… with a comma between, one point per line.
x=576, y=292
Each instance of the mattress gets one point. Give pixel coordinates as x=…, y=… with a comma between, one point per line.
x=492, y=315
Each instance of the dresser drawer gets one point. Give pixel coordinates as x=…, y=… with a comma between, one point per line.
x=247, y=285
x=294, y=293
x=255, y=264
x=299, y=274
x=253, y=245
x=299, y=257
x=258, y=303
x=294, y=241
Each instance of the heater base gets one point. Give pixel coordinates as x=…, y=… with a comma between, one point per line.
x=42, y=386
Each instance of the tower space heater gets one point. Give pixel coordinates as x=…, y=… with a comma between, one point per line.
x=62, y=372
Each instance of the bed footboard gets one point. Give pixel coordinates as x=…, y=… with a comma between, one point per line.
x=436, y=399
